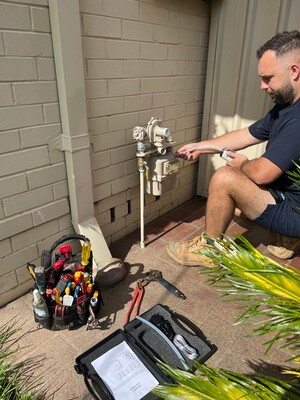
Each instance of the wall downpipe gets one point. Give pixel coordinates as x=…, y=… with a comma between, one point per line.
x=75, y=140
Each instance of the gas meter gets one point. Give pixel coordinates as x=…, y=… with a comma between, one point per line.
x=156, y=159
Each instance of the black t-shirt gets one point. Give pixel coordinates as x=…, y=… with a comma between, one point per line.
x=281, y=128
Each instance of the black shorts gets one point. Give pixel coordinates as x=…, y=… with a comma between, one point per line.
x=281, y=218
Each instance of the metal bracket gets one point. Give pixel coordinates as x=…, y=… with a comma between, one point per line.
x=69, y=143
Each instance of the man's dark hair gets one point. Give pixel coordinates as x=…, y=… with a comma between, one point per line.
x=281, y=43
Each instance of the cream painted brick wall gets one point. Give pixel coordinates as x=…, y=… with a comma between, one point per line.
x=2, y=215
x=121, y=9
x=123, y=154
x=14, y=17
x=97, y=89
x=163, y=99
x=47, y=175
x=40, y=19
x=12, y=185
x=102, y=107
x=16, y=162
x=108, y=141
x=154, y=51
x=28, y=44
x=94, y=48
x=60, y=190
x=154, y=66
x=122, y=49
x=104, y=69
x=123, y=87
x=51, y=113
x=125, y=183
x=11, y=226
x=37, y=234
x=10, y=68
x=5, y=247
x=1, y=45
x=133, y=30
x=137, y=103
x=27, y=201
x=39, y=135
x=124, y=121
x=50, y=211
x=10, y=141
x=33, y=187
x=101, y=26
x=30, y=2
x=46, y=69
x=142, y=58
x=113, y=201
x=18, y=257
x=6, y=96
x=101, y=191
x=107, y=174
x=18, y=117
x=36, y=92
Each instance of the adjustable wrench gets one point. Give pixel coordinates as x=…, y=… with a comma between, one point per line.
x=155, y=275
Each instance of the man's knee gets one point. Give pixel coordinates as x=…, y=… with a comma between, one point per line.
x=224, y=176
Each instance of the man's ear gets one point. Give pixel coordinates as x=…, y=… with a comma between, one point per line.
x=295, y=71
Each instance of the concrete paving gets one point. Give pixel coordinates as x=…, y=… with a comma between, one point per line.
x=203, y=305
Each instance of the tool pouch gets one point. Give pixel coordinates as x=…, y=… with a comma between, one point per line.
x=77, y=313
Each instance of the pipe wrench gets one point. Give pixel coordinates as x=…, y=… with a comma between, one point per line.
x=155, y=275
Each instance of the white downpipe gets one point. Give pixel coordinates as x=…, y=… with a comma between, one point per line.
x=75, y=140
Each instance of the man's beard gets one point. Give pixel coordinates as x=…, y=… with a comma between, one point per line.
x=283, y=95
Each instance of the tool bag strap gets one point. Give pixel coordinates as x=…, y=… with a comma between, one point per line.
x=65, y=238
x=46, y=256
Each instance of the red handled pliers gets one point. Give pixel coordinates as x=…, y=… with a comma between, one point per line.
x=137, y=298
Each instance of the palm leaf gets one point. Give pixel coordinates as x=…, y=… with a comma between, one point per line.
x=295, y=175
x=222, y=385
x=272, y=291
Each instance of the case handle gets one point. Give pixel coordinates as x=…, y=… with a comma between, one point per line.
x=95, y=378
x=194, y=328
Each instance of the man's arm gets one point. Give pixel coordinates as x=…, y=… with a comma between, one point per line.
x=260, y=170
x=235, y=140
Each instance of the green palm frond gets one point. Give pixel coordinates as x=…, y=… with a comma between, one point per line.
x=214, y=384
x=17, y=380
x=295, y=175
x=271, y=293
x=270, y=290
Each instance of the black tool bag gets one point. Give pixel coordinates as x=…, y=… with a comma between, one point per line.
x=61, y=315
x=148, y=345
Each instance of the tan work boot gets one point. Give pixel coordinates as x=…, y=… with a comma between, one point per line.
x=284, y=247
x=188, y=253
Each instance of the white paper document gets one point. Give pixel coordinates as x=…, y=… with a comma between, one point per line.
x=124, y=374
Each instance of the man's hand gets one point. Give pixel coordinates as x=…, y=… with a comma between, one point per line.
x=185, y=153
x=238, y=160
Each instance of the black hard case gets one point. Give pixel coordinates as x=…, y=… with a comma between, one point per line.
x=147, y=345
